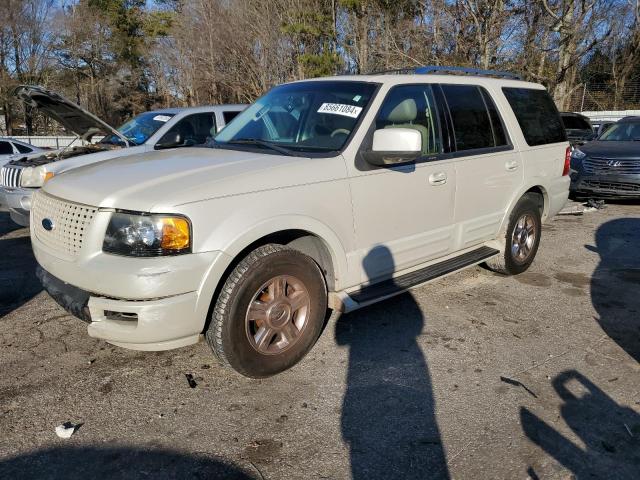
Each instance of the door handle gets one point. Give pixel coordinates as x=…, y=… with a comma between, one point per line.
x=439, y=178
x=511, y=165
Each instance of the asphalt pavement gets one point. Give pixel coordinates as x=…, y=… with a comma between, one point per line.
x=475, y=376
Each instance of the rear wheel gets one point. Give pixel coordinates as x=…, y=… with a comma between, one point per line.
x=521, y=239
x=269, y=313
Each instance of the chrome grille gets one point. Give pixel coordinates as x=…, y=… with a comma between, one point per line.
x=70, y=220
x=10, y=176
x=610, y=166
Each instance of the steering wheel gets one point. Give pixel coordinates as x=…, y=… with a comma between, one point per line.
x=340, y=130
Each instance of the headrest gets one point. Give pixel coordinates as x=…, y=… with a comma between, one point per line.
x=406, y=111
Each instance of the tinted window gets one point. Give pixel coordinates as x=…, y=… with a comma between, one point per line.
x=412, y=107
x=228, y=116
x=195, y=129
x=5, y=148
x=138, y=130
x=499, y=136
x=537, y=115
x=575, y=123
x=22, y=148
x=471, y=123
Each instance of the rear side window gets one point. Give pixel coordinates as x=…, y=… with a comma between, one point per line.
x=22, y=148
x=537, y=115
x=5, y=148
x=228, y=116
x=476, y=123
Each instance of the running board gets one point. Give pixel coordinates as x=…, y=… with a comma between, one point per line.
x=392, y=286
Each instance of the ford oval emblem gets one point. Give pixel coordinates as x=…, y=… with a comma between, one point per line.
x=48, y=224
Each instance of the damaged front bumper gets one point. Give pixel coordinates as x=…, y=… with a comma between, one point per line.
x=605, y=186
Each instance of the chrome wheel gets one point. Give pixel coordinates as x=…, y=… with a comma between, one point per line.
x=277, y=315
x=523, y=238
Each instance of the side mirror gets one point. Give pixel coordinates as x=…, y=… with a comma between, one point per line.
x=393, y=146
x=169, y=140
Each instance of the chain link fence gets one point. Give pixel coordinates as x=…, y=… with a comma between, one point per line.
x=592, y=96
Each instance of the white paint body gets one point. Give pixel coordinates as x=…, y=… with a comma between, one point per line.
x=422, y=213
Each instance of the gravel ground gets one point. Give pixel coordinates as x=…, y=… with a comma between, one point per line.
x=473, y=376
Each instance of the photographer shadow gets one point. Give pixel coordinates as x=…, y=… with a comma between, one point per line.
x=388, y=412
x=609, y=432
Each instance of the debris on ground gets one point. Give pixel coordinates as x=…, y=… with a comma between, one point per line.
x=517, y=383
x=192, y=382
x=593, y=204
x=67, y=429
x=572, y=210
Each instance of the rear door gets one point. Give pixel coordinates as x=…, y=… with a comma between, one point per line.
x=488, y=168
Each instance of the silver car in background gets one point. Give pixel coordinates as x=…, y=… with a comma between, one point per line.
x=154, y=130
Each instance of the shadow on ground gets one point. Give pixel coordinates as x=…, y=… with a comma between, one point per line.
x=609, y=432
x=615, y=285
x=388, y=412
x=82, y=463
x=18, y=282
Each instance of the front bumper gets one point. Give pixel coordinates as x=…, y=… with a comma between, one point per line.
x=18, y=201
x=605, y=186
x=138, y=303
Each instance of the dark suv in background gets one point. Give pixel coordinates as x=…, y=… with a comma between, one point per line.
x=578, y=127
x=609, y=167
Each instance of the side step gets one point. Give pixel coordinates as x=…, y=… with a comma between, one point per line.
x=395, y=285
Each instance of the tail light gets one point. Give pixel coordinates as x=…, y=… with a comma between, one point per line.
x=567, y=162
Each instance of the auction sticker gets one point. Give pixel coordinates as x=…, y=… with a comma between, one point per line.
x=161, y=118
x=340, y=109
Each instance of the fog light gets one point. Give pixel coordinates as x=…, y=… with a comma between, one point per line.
x=25, y=202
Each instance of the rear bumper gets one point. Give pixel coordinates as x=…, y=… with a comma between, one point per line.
x=606, y=186
x=558, y=191
x=18, y=201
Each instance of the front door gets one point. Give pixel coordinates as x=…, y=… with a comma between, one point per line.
x=403, y=215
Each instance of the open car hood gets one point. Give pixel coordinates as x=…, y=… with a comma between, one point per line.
x=71, y=116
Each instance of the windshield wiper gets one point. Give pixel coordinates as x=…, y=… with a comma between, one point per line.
x=261, y=143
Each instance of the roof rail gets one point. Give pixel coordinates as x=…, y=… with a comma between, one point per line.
x=431, y=69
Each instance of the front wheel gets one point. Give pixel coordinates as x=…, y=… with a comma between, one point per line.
x=522, y=238
x=269, y=312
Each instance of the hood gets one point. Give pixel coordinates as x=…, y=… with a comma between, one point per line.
x=621, y=150
x=161, y=180
x=71, y=116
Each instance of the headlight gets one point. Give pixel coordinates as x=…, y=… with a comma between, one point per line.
x=34, y=177
x=147, y=235
x=578, y=154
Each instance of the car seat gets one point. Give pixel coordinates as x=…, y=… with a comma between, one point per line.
x=404, y=115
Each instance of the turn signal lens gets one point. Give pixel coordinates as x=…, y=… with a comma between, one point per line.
x=175, y=233
x=48, y=176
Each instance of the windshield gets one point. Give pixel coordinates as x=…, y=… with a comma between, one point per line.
x=575, y=123
x=621, y=132
x=139, y=129
x=300, y=117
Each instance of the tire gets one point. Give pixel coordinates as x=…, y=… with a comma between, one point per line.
x=511, y=261
x=288, y=298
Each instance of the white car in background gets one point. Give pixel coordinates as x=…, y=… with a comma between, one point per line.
x=10, y=147
x=154, y=130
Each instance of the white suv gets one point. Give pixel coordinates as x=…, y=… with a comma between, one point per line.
x=331, y=193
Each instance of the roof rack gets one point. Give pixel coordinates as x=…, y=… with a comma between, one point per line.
x=431, y=69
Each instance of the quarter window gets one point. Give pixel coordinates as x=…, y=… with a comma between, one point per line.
x=471, y=122
x=537, y=115
x=413, y=107
x=228, y=116
x=22, y=148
